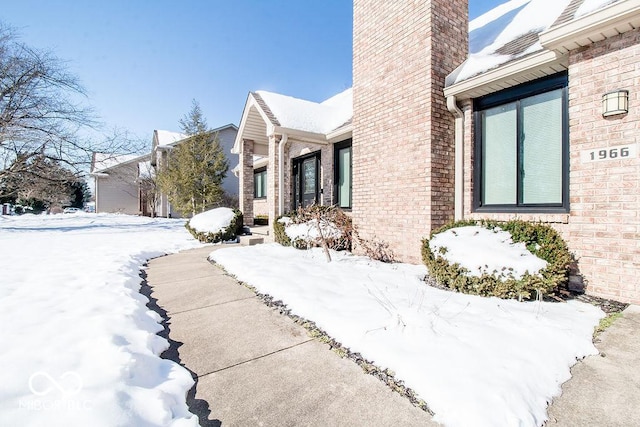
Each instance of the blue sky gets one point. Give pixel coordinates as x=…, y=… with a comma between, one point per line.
x=143, y=61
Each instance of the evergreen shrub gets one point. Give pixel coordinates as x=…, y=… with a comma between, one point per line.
x=540, y=239
x=229, y=233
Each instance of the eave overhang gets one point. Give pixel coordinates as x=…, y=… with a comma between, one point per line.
x=604, y=23
x=513, y=73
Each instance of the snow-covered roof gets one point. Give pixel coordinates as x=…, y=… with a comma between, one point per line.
x=102, y=162
x=166, y=137
x=308, y=116
x=511, y=31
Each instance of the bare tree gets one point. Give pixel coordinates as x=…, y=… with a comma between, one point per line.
x=149, y=190
x=41, y=114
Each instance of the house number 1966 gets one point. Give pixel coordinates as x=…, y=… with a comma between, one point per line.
x=611, y=153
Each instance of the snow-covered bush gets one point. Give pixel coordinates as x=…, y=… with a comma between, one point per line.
x=514, y=259
x=216, y=225
x=308, y=227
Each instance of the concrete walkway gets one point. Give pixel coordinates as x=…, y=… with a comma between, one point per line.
x=253, y=366
x=605, y=390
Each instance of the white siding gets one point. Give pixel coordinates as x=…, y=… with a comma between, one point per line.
x=119, y=191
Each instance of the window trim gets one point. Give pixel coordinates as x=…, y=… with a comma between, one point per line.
x=259, y=171
x=516, y=94
x=347, y=143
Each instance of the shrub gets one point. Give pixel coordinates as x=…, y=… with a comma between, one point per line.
x=540, y=239
x=329, y=218
x=279, y=234
x=376, y=249
x=228, y=233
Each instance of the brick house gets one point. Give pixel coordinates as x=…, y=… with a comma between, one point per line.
x=293, y=152
x=532, y=113
x=549, y=132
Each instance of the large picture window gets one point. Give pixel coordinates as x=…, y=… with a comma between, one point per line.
x=260, y=183
x=343, y=174
x=521, y=161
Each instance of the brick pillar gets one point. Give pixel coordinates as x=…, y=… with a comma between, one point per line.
x=246, y=181
x=403, y=134
x=272, y=181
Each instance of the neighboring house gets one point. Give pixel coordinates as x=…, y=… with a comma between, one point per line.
x=163, y=143
x=117, y=188
x=532, y=114
x=293, y=153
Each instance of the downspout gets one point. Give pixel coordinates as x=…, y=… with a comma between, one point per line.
x=281, y=145
x=459, y=157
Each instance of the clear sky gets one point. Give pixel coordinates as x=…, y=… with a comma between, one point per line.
x=143, y=61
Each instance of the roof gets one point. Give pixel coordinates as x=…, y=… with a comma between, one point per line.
x=103, y=162
x=268, y=113
x=165, y=137
x=512, y=31
x=307, y=116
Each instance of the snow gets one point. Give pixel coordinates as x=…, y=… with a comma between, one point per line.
x=299, y=114
x=166, y=137
x=212, y=221
x=591, y=5
x=481, y=251
x=475, y=361
x=494, y=29
x=104, y=161
x=505, y=23
x=79, y=344
x=308, y=231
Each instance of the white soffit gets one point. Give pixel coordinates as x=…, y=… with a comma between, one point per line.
x=528, y=68
x=609, y=21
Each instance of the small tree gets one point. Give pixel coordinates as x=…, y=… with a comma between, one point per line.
x=192, y=177
x=149, y=189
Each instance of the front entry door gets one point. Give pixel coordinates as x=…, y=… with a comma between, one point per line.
x=306, y=185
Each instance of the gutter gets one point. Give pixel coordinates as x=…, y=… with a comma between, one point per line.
x=459, y=157
x=281, y=145
x=600, y=24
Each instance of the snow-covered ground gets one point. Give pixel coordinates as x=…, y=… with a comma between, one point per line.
x=475, y=361
x=79, y=346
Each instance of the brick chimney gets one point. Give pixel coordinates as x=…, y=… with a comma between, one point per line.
x=403, y=134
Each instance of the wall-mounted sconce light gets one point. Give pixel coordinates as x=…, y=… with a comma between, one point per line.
x=616, y=102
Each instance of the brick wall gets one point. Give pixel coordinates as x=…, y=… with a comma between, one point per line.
x=403, y=133
x=604, y=227
x=246, y=182
x=260, y=207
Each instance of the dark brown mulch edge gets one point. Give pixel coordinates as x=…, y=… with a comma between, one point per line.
x=562, y=295
x=387, y=376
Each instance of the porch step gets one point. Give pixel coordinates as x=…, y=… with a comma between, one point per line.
x=251, y=240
